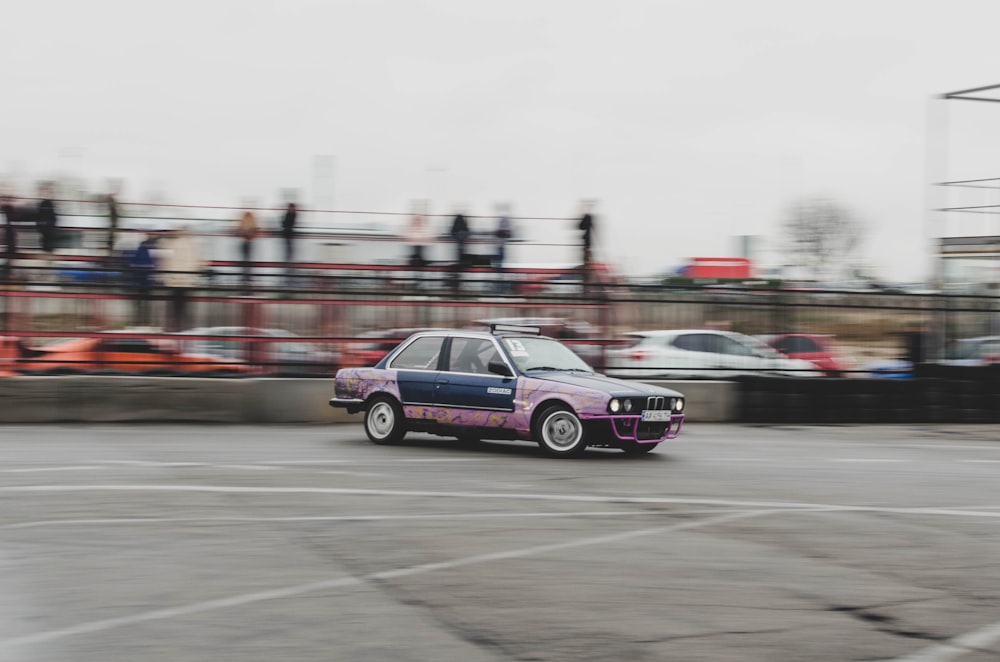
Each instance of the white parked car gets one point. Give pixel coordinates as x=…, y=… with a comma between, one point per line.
x=984, y=350
x=700, y=353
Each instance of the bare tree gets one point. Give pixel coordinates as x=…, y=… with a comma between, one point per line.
x=820, y=234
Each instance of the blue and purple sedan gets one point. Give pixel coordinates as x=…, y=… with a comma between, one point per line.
x=507, y=383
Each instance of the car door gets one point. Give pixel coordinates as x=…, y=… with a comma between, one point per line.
x=800, y=347
x=129, y=354
x=416, y=368
x=737, y=358
x=695, y=355
x=467, y=383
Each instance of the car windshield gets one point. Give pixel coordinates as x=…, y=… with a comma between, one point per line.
x=543, y=354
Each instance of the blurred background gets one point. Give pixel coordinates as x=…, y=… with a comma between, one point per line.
x=742, y=170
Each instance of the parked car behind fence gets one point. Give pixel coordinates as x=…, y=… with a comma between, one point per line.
x=700, y=354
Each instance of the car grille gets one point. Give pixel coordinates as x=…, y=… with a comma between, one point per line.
x=642, y=431
x=652, y=402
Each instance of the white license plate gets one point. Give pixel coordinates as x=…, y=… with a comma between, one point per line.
x=656, y=414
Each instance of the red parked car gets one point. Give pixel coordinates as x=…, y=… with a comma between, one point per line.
x=373, y=345
x=819, y=349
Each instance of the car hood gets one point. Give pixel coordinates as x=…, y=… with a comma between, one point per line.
x=609, y=385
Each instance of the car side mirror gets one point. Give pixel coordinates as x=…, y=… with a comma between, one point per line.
x=499, y=368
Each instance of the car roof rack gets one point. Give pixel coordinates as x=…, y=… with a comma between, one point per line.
x=515, y=328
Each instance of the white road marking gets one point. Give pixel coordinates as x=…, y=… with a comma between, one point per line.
x=307, y=462
x=362, y=474
x=985, y=446
x=865, y=459
x=246, y=467
x=76, y=467
x=500, y=486
x=965, y=511
x=981, y=461
x=312, y=587
x=435, y=459
x=152, y=463
x=337, y=518
x=969, y=642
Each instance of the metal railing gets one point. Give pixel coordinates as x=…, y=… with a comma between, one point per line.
x=344, y=314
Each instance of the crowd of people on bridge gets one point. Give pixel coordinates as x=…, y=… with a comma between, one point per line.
x=175, y=259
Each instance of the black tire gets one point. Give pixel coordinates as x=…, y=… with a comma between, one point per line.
x=384, y=422
x=635, y=448
x=559, y=432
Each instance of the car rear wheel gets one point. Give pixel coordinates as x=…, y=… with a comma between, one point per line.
x=384, y=423
x=635, y=448
x=560, y=432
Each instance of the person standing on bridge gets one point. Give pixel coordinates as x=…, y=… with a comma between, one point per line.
x=502, y=235
x=46, y=224
x=288, y=231
x=11, y=216
x=112, y=224
x=181, y=270
x=586, y=227
x=288, y=221
x=460, y=235
x=247, y=231
x=417, y=236
x=142, y=277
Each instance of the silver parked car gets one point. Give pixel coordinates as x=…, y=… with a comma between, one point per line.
x=285, y=356
x=701, y=354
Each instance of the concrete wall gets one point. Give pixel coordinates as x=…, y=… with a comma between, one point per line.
x=108, y=399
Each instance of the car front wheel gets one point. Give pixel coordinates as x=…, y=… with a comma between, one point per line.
x=560, y=432
x=384, y=422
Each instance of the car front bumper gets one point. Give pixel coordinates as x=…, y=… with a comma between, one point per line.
x=632, y=428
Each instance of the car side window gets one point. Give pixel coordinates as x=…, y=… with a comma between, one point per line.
x=730, y=346
x=132, y=345
x=799, y=345
x=693, y=342
x=421, y=354
x=472, y=355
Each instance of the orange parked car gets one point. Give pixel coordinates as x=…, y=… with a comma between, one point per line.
x=112, y=354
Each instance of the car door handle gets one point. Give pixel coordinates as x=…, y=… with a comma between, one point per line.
x=443, y=381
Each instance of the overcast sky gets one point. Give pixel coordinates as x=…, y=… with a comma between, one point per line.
x=690, y=121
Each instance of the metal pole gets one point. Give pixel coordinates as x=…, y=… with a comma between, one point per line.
x=935, y=218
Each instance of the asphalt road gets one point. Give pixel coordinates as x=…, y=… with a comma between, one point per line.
x=209, y=543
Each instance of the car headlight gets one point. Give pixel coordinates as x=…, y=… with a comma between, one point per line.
x=679, y=404
x=628, y=405
x=615, y=405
